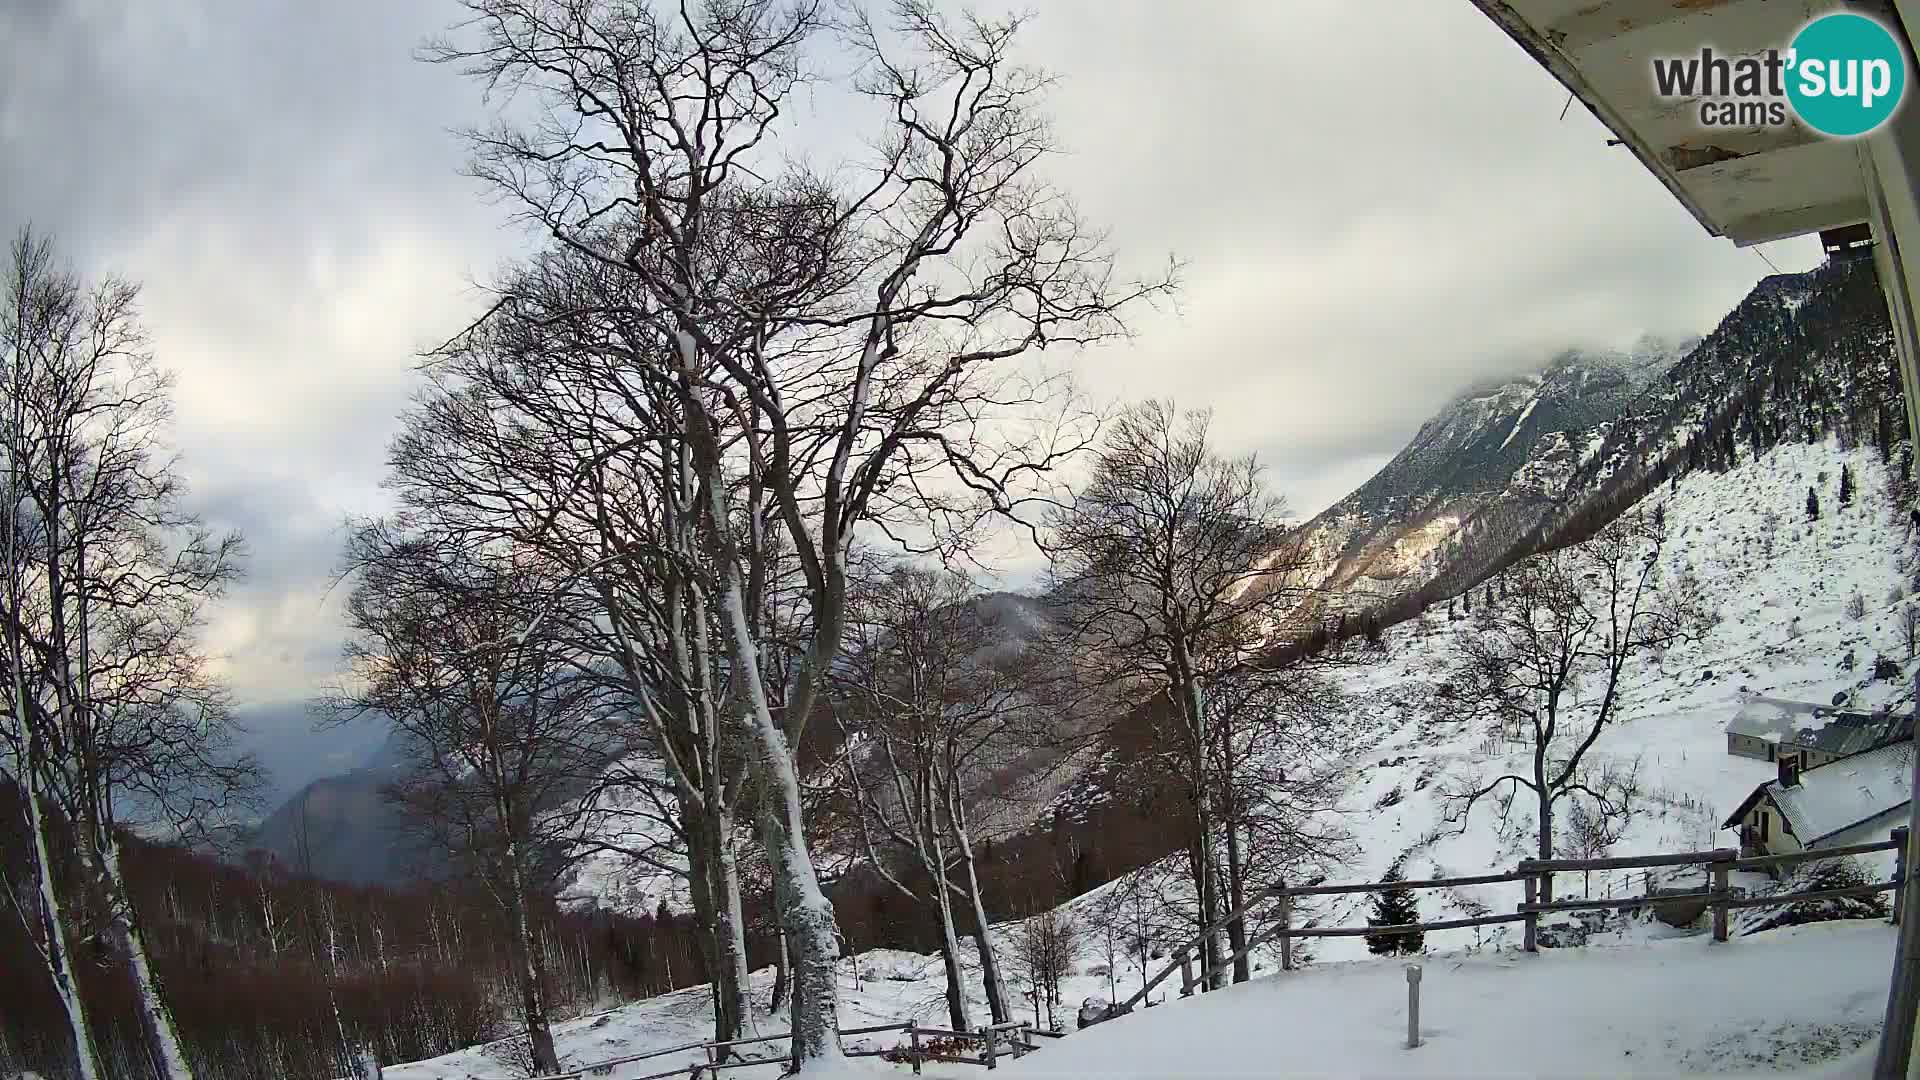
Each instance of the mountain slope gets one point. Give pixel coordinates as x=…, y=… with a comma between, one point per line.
x=1498, y=453
x=342, y=828
x=1782, y=587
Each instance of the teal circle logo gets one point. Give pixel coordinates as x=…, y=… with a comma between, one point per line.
x=1846, y=74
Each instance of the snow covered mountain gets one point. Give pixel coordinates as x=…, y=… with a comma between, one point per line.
x=1498, y=453
x=1503, y=470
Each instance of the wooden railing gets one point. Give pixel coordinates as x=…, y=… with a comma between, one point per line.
x=1536, y=876
x=1014, y=1039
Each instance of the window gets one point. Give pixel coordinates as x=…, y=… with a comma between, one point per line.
x=1763, y=826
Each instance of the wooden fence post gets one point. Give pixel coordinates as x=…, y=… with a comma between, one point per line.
x=1899, y=871
x=988, y=1053
x=1186, y=974
x=1719, y=899
x=1530, y=940
x=1286, y=924
x=913, y=1046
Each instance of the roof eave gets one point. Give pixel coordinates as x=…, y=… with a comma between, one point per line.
x=1548, y=56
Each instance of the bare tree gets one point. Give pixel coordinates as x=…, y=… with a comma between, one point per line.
x=1275, y=737
x=1047, y=944
x=835, y=346
x=114, y=710
x=502, y=733
x=1554, y=661
x=1173, y=564
x=936, y=696
x=1593, y=830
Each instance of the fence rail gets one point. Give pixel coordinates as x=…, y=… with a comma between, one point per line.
x=1536, y=875
x=989, y=1037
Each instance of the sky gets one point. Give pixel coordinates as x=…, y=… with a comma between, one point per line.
x=1377, y=202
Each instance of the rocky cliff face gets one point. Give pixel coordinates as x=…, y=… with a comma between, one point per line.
x=1490, y=463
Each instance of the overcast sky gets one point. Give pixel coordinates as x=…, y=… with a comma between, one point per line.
x=1376, y=200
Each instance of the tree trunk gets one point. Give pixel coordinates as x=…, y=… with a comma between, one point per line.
x=996, y=984
x=1192, y=703
x=156, y=1021
x=56, y=934
x=1546, y=823
x=1236, y=898
x=700, y=894
x=805, y=912
x=949, y=941
x=782, y=973
x=730, y=974
x=533, y=1003
x=808, y=917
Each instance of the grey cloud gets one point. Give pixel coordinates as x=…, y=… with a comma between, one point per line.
x=1375, y=212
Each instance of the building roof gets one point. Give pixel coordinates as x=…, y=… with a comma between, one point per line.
x=1804, y=725
x=1835, y=797
x=1749, y=184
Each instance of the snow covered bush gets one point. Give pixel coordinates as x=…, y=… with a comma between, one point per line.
x=1857, y=606
x=1842, y=873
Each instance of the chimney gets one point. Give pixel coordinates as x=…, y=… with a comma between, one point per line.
x=1789, y=770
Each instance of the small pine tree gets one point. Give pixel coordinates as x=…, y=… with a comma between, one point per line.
x=1846, y=485
x=1813, y=505
x=1487, y=601
x=1466, y=602
x=1394, y=907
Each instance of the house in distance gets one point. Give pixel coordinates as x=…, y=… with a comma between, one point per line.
x=1770, y=729
x=1855, y=800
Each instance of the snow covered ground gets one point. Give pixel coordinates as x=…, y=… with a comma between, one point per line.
x=883, y=986
x=1806, y=1000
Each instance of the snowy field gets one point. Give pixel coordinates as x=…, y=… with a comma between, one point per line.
x=1806, y=1000
x=1639, y=1000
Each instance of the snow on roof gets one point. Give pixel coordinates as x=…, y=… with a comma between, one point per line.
x=1840, y=794
x=1815, y=727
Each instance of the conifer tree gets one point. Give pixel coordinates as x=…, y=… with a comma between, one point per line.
x=1846, y=485
x=1394, y=907
x=1813, y=505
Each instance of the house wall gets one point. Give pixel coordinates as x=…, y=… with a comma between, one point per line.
x=1810, y=757
x=1880, y=863
x=1780, y=839
x=1749, y=746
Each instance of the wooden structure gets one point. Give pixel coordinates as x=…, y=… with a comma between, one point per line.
x=1536, y=878
x=1013, y=1039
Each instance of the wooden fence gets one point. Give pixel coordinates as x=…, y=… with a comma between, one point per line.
x=1536, y=876
x=1013, y=1039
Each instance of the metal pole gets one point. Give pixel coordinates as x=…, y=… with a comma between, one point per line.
x=1895, y=1055
x=1413, y=1005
